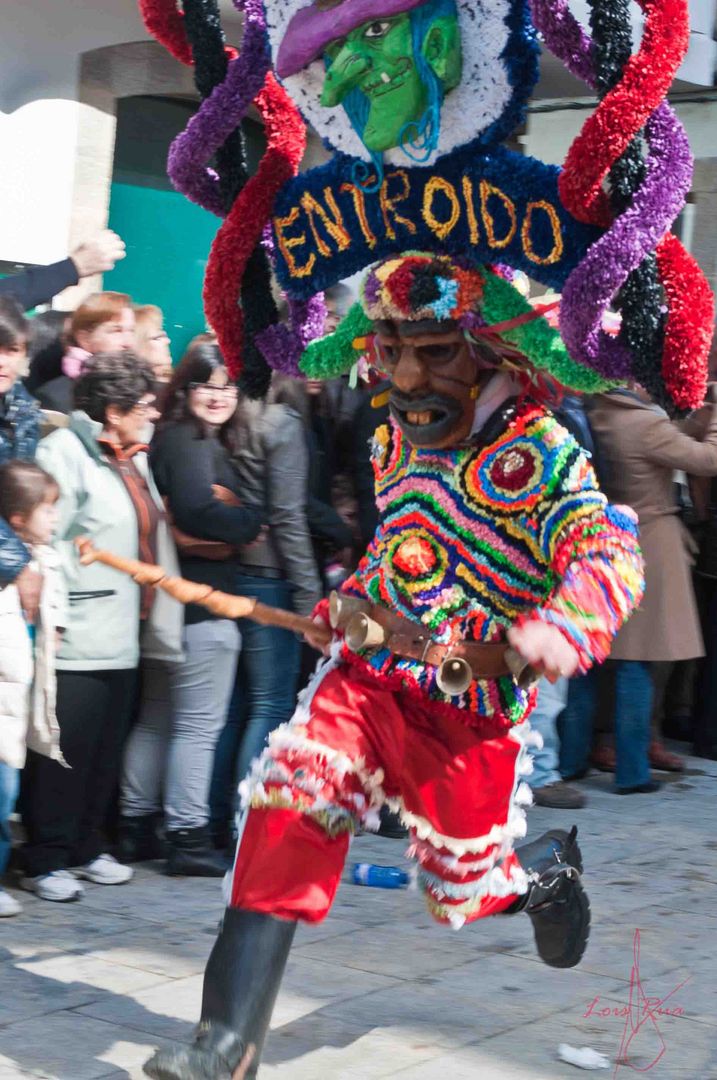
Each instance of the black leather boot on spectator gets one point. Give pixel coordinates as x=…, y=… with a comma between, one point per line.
x=138, y=839
x=240, y=987
x=224, y=837
x=192, y=854
x=556, y=901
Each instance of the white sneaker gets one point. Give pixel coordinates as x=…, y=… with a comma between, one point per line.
x=8, y=905
x=60, y=885
x=105, y=870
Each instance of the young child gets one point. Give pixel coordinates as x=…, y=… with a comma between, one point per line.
x=28, y=502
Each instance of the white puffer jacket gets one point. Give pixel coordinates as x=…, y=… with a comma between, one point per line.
x=27, y=673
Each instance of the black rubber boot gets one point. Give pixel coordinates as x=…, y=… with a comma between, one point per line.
x=138, y=839
x=556, y=902
x=240, y=987
x=192, y=854
x=391, y=825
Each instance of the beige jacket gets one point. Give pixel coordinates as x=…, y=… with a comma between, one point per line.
x=639, y=450
x=28, y=687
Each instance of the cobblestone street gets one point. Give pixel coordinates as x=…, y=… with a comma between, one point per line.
x=88, y=989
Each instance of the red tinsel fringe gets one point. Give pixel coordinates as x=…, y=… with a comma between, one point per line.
x=166, y=23
x=605, y=136
x=624, y=111
x=690, y=322
x=242, y=230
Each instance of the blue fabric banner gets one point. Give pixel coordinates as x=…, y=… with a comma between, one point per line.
x=496, y=206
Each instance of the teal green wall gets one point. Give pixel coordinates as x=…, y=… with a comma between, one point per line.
x=168, y=241
x=167, y=237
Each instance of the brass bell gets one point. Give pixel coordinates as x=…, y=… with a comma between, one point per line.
x=363, y=632
x=342, y=608
x=454, y=676
x=520, y=669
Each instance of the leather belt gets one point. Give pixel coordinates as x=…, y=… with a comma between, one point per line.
x=407, y=640
x=410, y=641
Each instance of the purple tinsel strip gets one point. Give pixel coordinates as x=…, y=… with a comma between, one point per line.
x=281, y=349
x=221, y=114
x=589, y=290
x=281, y=345
x=611, y=259
x=309, y=318
x=565, y=37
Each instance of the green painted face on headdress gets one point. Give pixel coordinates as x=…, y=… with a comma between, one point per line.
x=393, y=71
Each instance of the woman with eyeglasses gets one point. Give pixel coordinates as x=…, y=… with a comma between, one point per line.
x=280, y=570
x=107, y=494
x=169, y=755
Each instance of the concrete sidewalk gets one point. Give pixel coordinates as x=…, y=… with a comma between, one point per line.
x=88, y=990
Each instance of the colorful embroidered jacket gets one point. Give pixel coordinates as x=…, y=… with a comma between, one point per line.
x=474, y=540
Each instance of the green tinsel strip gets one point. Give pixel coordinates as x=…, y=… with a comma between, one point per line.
x=541, y=344
x=328, y=357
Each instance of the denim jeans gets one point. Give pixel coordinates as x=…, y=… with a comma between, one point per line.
x=170, y=754
x=264, y=695
x=9, y=785
x=633, y=715
x=543, y=719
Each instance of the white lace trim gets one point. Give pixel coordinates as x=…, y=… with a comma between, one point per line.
x=421, y=849
x=495, y=883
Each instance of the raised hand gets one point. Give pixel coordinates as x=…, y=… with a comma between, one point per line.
x=546, y=650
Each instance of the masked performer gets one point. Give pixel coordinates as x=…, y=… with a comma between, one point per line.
x=496, y=558
x=492, y=532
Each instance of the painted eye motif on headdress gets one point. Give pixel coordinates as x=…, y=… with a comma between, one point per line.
x=377, y=29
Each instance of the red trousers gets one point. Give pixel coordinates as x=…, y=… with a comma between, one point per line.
x=353, y=745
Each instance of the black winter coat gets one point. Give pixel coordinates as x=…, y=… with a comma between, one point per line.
x=39, y=284
x=58, y=394
x=185, y=466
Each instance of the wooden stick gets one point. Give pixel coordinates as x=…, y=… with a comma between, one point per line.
x=221, y=604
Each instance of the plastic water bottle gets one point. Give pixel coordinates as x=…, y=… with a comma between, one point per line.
x=380, y=877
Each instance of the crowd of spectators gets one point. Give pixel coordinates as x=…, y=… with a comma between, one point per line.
x=127, y=720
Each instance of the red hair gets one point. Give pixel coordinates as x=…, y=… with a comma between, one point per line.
x=95, y=310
